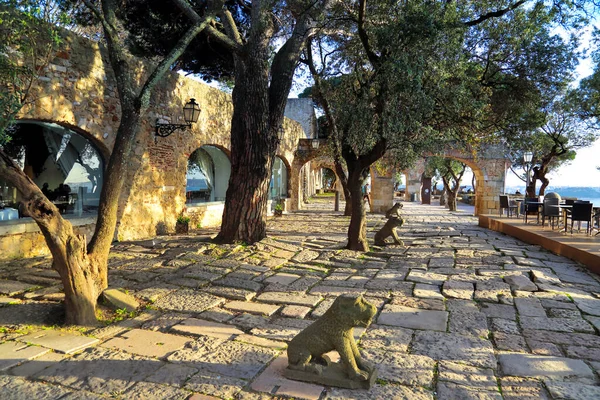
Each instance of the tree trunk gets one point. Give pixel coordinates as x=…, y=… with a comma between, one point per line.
x=253, y=145
x=339, y=170
x=357, y=231
x=83, y=277
x=545, y=183
x=452, y=199
x=443, y=201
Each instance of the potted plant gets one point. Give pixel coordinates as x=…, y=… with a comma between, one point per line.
x=279, y=207
x=183, y=225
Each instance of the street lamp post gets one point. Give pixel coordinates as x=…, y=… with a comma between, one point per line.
x=527, y=158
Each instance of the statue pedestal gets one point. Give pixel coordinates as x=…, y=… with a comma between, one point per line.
x=333, y=374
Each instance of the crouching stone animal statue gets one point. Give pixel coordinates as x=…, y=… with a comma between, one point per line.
x=394, y=221
x=333, y=331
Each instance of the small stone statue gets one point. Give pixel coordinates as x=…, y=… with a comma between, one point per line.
x=333, y=331
x=394, y=221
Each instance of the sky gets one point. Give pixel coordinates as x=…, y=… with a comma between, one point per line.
x=581, y=171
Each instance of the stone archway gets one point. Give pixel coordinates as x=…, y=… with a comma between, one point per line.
x=303, y=155
x=489, y=168
x=65, y=162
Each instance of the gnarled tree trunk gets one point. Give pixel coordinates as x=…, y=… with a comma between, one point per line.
x=83, y=277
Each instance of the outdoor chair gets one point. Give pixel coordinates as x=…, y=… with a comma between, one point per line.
x=551, y=211
x=529, y=208
x=506, y=204
x=582, y=212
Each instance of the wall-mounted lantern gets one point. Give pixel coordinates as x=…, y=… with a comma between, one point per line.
x=191, y=112
x=315, y=142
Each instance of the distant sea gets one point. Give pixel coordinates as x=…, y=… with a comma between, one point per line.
x=591, y=194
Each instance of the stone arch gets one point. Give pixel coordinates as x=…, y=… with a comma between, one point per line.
x=279, y=182
x=288, y=170
x=479, y=179
x=303, y=155
x=489, y=168
x=327, y=162
x=98, y=144
x=56, y=156
x=209, y=178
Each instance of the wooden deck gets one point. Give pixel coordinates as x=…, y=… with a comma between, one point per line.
x=578, y=247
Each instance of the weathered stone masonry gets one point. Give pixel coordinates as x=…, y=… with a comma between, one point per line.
x=78, y=90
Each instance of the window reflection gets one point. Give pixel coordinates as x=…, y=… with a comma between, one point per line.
x=65, y=165
x=207, y=175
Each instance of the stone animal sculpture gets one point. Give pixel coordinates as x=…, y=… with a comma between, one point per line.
x=394, y=221
x=333, y=331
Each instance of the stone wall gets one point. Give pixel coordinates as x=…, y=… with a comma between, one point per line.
x=302, y=110
x=23, y=239
x=77, y=90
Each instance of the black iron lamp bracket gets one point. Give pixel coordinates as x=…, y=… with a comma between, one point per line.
x=164, y=130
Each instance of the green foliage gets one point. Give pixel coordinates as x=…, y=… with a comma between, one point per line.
x=278, y=207
x=182, y=219
x=28, y=38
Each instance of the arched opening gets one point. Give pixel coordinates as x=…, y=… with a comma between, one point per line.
x=329, y=179
x=66, y=166
x=207, y=175
x=278, y=188
x=468, y=191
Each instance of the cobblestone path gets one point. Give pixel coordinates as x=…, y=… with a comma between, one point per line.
x=464, y=313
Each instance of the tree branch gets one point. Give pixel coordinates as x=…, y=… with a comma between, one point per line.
x=230, y=27
x=495, y=14
x=185, y=7
x=362, y=34
x=173, y=55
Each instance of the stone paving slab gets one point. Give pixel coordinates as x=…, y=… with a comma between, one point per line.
x=452, y=347
x=413, y=318
x=557, y=324
x=147, y=343
x=555, y=368
x=100, y=370
x=14, y=388
x=252, y=308
x=386, y=391
x=388, y=338
x=272, y=381
x=63, y=342
x=194, y=326
x=12, y=288
x=214, y=384
x=518, y=388
x=289, y=298
x=572, y=391
x=186, y=300
x=14, y=353
x=148, y=390
x=235, y=359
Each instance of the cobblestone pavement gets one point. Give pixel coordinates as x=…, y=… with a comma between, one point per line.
x=463, y=313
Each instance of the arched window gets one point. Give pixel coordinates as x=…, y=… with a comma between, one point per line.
x=65, y=165
x=279, y=180
x=207, y=175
